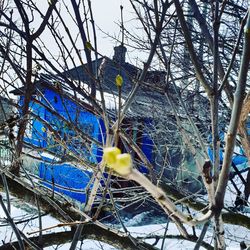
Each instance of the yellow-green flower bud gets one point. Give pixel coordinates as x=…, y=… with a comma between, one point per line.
x=88, y=45
x=118, y=80
x=109, y=155
x=120, y=163
x=123, y=164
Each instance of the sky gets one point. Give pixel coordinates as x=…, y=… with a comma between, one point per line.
x=107, y=16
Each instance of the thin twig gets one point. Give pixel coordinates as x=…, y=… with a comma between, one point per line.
x=68, y=224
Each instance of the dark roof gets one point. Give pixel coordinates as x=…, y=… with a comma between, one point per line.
x=150, y=100
x=108, y=69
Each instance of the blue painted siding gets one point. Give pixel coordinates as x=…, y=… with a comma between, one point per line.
x=237, y=159
x=71, y=181
x=34, y=134
x=85, y=120
x=66, y=176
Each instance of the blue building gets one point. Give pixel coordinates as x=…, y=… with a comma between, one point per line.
x=63, y=131
x=68, y=133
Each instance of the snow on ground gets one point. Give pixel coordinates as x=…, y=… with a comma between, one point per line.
x=25, y=213
x=140, y=225
x=159, y=229
x=233, y=232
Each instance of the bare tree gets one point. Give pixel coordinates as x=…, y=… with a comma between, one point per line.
x=195, y=62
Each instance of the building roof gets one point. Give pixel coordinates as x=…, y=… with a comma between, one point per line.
x=107, y=69
x=149, y=101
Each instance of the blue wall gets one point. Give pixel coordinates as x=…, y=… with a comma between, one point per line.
x=50, y=171
x=86, y=121
x=66, y=175
x=237, y=159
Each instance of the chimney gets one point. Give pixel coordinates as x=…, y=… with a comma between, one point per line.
x=120, y=53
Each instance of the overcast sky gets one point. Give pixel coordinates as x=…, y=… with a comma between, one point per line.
x=107, y=16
